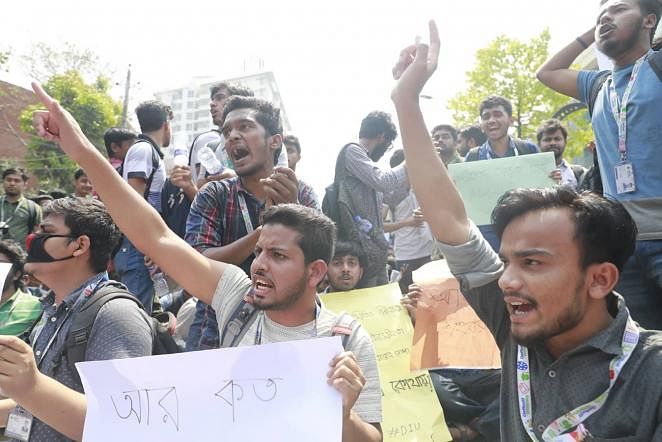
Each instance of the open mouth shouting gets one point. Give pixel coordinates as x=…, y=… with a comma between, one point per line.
x=261, y=286
x=605, y=30
x=519, y=308
x=239, y=153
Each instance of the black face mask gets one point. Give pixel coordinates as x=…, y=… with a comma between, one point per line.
x=36, y=251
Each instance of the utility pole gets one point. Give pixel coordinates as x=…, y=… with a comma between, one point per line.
x=125, y=107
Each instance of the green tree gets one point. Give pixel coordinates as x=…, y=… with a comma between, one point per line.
x=94, y=110
x=507, y=67
x=4, y=58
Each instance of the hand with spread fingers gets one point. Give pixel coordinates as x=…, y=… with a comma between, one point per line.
x=18, y=369
x=282, y=186
x=56, y=124
x=415, y=65
x=346, y=377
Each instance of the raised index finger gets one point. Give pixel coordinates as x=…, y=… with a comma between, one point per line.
x=41, y=93
x=433, y=53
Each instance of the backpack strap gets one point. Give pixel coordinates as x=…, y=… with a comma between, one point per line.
x=240, y=321
x=157, y=155
x=83, y=320
x=578, y=171
x=331, y=324
x=472, y=155
x=32, y=215
x=522, y=147
x=595, y=90
x=655, y=61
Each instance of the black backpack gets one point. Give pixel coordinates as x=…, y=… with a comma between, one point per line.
x=330, y=200
x=83, y=320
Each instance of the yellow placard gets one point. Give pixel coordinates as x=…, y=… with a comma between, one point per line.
x=411, y=408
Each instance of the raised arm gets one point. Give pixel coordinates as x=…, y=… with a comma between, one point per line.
x=132, y=214
x=555, y=73
x=434, y=189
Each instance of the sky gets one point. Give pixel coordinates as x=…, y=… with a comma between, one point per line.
x=332, y=60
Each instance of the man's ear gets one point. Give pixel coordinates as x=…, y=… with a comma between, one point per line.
x=602, y=278
x=84, y=245
x=275, y=141
x=650, y=21
x=316, y=272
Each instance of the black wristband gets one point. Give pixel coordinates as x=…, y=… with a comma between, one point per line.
x=582, y=42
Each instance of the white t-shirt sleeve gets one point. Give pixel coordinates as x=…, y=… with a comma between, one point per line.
x=138, y=161
x=232, y=287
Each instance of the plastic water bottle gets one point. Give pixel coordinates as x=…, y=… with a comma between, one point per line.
x=364, y=225
x=161, y=289
x=222, y=155
x=180, y=156
x=208, y=159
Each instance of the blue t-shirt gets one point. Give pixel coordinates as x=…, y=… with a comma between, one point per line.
x=644, y=143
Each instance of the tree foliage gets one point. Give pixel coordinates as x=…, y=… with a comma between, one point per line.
x=94, y=110
x=507, y=67
x=4, y=58
x=44, y=61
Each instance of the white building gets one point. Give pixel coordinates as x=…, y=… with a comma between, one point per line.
x=190, y=104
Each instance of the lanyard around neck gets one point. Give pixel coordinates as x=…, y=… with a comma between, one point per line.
x=571, y=420
x=620, y=110
x=244, y=213
x=260, y=321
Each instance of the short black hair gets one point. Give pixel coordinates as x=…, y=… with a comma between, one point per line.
x=152, y=114
x=16, y=257
x=266, y=114
x=117, y=135
x=292, y=140
x=346, y=248
x=79, y=173
x=604, y=230
x=474, y=133
x=86, y=216
x=549, y=127
x=494, y=101
x=317, y=233
x=377, y=123
x=447, y=127
x=15, y=171
x=233, y=89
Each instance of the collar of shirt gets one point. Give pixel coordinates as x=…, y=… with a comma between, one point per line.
x=240, y=188
x=488, y=153
x=69, y=301
x=9, y=301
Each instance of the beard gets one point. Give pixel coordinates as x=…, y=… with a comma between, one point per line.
x=378, y=152
x=568, y=319
x=613, y=48
x=292, y=295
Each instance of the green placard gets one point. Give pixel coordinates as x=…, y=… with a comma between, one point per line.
x=481, y=183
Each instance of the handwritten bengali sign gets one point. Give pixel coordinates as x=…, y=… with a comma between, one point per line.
x=481, y=183
x=448, y=332
x=411, y=408
x=216, y=395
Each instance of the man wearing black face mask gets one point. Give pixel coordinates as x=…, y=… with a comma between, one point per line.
x=362, y=187
x=70, y=255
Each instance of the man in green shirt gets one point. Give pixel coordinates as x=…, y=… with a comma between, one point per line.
x=18, y=215
x=19, y=310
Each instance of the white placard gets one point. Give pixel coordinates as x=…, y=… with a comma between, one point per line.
x=271, y=392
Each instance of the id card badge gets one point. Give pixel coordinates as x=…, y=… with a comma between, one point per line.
x=19, y=424
x=624, y=174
